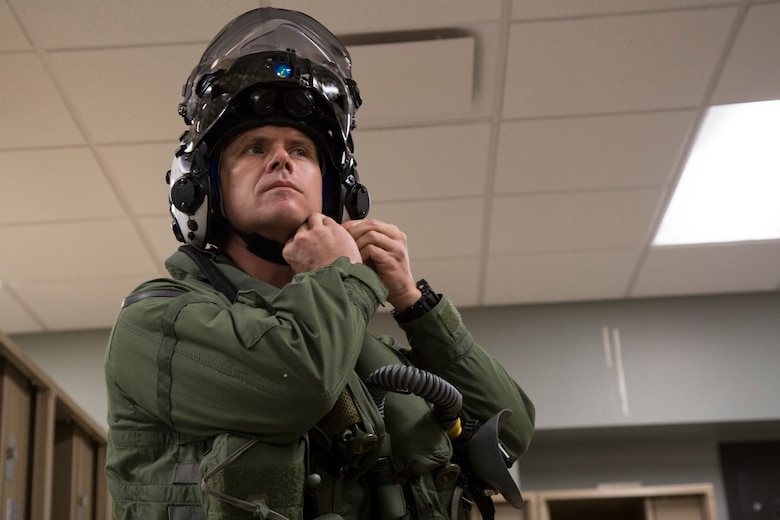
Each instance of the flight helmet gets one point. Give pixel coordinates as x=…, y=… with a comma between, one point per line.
x=267, y=66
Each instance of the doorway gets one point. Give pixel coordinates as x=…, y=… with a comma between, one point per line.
x=751, y=476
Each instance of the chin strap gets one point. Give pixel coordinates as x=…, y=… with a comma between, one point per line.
x=265, y=248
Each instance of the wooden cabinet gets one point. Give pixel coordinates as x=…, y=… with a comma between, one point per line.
x=15, y=422
x=676, y=508
x=51, y=452
x=674, y=502
x=677, y=502
x=74, y=472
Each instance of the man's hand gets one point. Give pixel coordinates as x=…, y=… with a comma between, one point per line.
x=318, y=243
x=383, y=247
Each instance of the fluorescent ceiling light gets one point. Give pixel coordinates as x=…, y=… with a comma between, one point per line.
x=730, y=188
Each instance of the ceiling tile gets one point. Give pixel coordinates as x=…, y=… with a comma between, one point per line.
x=624, y=151
x=54, y=185
x=99, y=301
x=587, y=275
x=14, y=317
x=488, y=66
x=138, y=170
x=572, y=221
x=358, y=16
x=161, y=237
x=396, y=88
x=615, y=64
x=710, y=269
x=423, y=163
x=96, y=23
x=438, y=228
x=68, y=251
x=33, y=112
x=534, y=9
x=11, y=36
x=602, y=96
x=128, y=113
x=751, y=72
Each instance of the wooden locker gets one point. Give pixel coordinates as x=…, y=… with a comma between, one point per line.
x=74, y=473
x=103, y=502
x=51, y=452
x=16, y=409
x=677, y=508
x=672, y=502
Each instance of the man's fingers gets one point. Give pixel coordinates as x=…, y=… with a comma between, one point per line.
x=317, y=219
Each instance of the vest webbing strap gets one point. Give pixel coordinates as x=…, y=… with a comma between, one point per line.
x=186, y=513
x=218, y=280
x=185, y=473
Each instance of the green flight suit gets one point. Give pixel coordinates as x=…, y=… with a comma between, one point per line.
x=185, y=365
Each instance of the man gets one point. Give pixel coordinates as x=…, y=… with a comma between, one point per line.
x=245, y=385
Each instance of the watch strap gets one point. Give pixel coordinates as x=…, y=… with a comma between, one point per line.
x=427, y=301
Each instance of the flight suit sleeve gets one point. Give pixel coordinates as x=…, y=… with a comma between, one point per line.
x=269, y=369
x=441, y=344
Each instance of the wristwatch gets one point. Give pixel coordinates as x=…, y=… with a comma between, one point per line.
x=427, y=301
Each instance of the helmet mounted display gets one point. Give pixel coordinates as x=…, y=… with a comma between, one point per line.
x=267, y=67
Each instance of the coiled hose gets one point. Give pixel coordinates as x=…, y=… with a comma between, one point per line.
x=446, y=399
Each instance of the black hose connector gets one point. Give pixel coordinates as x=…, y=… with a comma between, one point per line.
x=446, y=399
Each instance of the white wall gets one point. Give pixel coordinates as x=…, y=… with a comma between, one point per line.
x=74, y=360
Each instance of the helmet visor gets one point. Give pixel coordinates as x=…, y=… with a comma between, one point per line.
x=268, y=30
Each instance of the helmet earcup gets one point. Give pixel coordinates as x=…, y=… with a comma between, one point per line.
x=188, y=196
x=355, y=197
x=357, y=201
